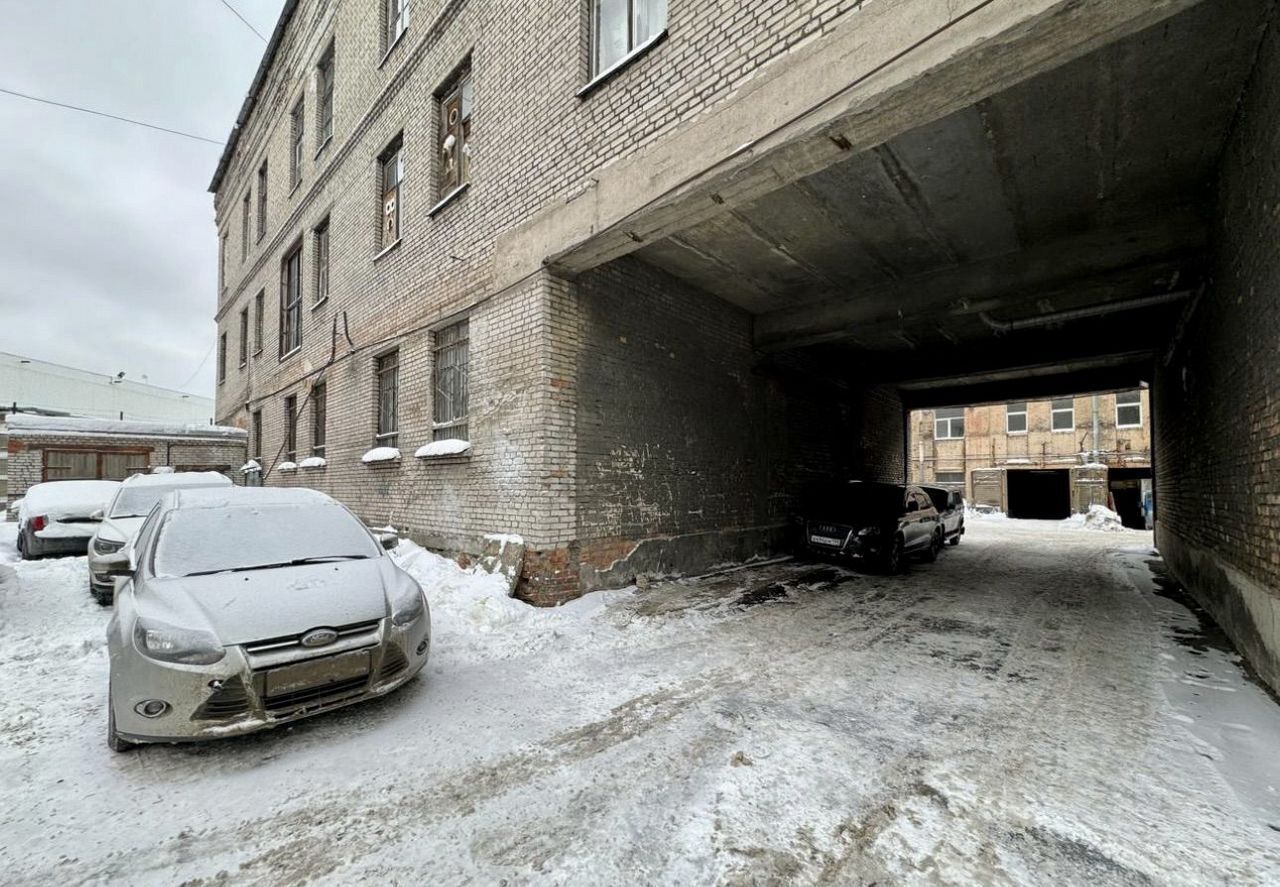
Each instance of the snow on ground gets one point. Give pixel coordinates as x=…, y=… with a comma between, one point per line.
x=1027, y=710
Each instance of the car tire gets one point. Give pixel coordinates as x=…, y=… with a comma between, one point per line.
x=104, y=599
x=954, y=540
x=935, y=545
x=114, y=741
x=894, y=558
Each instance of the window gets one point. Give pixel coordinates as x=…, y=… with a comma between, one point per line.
x=387, y=370
x=391, y=171
x=322, y=261
x=291, y=302
x=1015, y=418
x=456, y=102
x=324, y=99
x=244, y=226
x=244, y=336
x=259, y=312
x=319, y=406
x=1064, y=414
x=1129, y=409
x=397, y=21
x=297, y=122
x=262, y=200
x=948, y=424
x=255, y=435
x=450, y=408
x=222, y=261
x=222, y=358
x=949, y=477
x=621, y=27
x=291, y=428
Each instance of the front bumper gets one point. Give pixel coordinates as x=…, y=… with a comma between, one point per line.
x=231, y=697
x=99, y=581
x=845, y=543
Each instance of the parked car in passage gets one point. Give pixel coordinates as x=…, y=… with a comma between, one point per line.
x=240, y=609
x=121, y=519
x=883, y=524
x=950, y=505
x=59, y=517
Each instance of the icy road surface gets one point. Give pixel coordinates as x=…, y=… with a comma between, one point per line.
x=1027, y=710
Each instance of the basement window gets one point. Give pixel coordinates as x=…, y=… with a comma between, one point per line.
x=1015, y=418
x=948, y=424
x=1129, y=409
x=1064, y=414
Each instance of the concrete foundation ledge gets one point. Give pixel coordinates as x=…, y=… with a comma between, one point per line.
x=1247, y=611
x=615, y=563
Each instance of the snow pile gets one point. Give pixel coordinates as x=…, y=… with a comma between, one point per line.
x=381, y=454
x=1100, y=517
x=985, y=512
x=443, y=448
x=163, y=469
x=23, y=424
x=313, y=462
x=287, y=466
x=251, y=465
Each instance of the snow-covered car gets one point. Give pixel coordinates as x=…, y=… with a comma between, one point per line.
x=130, y=507
x=950, y=505
x=240, y=609
x=61, y=516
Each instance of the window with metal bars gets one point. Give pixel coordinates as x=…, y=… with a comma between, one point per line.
x=622, y=27
x=297, y=121
x=387, y=372
x=319, y=419
x=291, y=302
x=449, y=410
x=255, y=435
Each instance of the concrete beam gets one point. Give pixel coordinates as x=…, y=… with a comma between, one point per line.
x=892, y=68
x=1034, y=383
x=1091, y=268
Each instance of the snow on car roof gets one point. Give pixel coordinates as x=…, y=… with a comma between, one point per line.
x=237, y=497
x=69, y=496
x=179, y=479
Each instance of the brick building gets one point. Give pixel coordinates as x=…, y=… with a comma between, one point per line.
x=1040, y=459
x=45, y=448
x=628, y=274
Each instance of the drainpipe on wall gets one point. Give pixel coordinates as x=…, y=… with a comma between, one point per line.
x=1097, y=444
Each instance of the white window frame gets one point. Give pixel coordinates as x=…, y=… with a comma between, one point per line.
x=1009, y=413
x=397, y=12
x=1135, y=404
x=1053, y=415
x=636, y=43
x=940, y=421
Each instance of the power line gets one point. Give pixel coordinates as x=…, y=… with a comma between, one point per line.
x=203, y=361
x=185, y=135
x=243, y=19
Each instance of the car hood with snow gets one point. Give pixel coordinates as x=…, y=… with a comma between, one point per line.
x=119, y=529
x=65, y=509
x=254, y=605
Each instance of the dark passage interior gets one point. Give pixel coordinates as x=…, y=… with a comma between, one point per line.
x=1040, y=495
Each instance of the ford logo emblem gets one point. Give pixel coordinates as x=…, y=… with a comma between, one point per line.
x=319, y=637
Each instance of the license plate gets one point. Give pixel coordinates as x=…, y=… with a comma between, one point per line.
x=317, y=672
x=826, y=540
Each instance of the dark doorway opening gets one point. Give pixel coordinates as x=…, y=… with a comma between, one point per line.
x=1125, y=485
x=1040, y=494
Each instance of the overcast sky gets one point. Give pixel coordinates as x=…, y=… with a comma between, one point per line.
x=108, y=255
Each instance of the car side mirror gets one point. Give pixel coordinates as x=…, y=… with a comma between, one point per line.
x=388, y=541
x=118, y=565
x=97, y=515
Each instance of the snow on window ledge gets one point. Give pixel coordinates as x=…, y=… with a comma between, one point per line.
x=251, y=465
x=287, y=466
x=440, y=448
x=313, y=462
x=381, y=454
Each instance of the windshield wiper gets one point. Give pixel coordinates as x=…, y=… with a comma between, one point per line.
x=296, y=562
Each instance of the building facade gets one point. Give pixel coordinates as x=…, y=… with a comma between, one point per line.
x=1041, y=459
x=380, y=329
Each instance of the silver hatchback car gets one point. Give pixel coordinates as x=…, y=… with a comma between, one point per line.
x=241, y=609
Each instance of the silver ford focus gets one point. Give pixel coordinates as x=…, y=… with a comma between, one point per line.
x=241, y=609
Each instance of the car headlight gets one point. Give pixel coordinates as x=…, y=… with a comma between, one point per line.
x=869, y=531
x=408, y=604
x=171, y=644
x=106, y=546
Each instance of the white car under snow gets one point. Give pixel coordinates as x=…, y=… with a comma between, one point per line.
x=59, y=517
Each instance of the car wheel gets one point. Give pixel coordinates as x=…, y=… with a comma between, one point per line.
x=893, y=560
x=103, y=598
x=954, y=540
x=114, y=740
x=935, y=545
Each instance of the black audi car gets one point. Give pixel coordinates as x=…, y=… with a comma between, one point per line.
x=881, y=524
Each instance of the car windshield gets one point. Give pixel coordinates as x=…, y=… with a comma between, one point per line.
x=860, y=501
x=137, y=501
x=200, y=541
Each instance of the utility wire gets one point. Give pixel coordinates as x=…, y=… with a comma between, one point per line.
x=203, y=361
x=243, y=19
x=185, y=135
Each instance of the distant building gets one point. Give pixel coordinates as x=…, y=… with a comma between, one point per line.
x=1040, y=459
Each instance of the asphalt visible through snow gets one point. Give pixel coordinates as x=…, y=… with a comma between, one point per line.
x=1034, y=708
